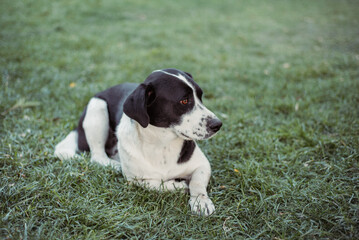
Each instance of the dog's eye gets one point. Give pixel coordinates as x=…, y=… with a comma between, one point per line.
x=184, y=101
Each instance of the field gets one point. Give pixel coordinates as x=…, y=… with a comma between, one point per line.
x=283, y=76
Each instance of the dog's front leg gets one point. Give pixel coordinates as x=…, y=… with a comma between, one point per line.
x=199, y=200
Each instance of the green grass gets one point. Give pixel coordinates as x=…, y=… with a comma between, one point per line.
x=282, y=75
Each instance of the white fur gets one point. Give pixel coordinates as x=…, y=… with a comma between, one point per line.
x=194, y=124
x=67, y=148
x=96, y=126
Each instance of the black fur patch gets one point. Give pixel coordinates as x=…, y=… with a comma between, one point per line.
x=186, y=151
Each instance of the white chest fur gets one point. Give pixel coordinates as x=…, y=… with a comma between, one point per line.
x=149, y=153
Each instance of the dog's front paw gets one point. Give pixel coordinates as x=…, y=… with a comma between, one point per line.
x=201, y=205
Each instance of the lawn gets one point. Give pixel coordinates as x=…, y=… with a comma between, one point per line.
x=282, y=75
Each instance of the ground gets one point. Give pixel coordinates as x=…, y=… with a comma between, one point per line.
x=282, y=76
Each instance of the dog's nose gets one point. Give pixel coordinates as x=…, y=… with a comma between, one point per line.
x=214, y=124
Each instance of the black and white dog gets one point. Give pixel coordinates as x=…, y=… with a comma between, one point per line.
x=148, y=131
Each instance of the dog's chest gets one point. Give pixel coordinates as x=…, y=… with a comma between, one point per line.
x=154, y=162
x=148, y=153
x=164, y=156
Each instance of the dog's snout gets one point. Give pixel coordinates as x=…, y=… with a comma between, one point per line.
x=214, y=124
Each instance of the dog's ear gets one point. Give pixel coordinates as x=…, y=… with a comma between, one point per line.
x=136, y=104
x=189, y=74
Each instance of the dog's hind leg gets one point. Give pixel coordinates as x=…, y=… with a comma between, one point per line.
x=67, y=148
x=96, y=127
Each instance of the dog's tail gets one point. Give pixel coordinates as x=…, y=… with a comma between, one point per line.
x=67, y=148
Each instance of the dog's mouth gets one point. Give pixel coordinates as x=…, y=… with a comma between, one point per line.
x=185, y=136
x=210, y=135
x=197, y=136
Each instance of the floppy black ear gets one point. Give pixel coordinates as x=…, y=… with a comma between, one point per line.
x=189, y=74
x=136, y=104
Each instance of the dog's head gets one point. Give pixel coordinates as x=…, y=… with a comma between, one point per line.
x=170, y=98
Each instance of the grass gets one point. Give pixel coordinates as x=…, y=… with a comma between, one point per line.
x=282, y=75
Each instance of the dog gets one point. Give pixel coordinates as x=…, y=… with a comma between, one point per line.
x=148, y=131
